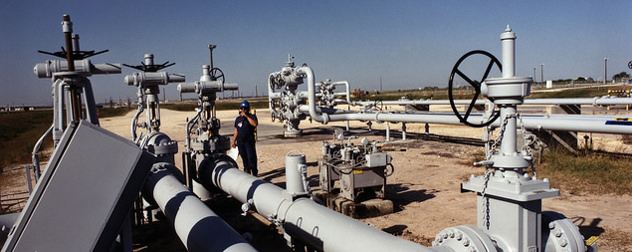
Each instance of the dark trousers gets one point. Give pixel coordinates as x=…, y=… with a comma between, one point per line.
x=248, y=154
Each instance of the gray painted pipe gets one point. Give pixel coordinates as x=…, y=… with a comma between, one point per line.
x=301, y=218
x=197, y=226
x=605, y=100
x=583, y=123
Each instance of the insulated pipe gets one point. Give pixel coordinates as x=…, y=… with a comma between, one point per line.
x=198, y=227
x=303, y=219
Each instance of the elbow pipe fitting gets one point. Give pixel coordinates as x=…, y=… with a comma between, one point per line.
x=314, y=111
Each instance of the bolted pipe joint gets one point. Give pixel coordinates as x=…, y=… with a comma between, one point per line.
x=161, y=145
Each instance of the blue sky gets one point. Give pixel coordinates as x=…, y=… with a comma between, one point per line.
x=408, y=44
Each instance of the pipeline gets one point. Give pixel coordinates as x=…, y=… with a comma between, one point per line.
x=586, y=123
x=301, y=218
x=198, y=227
x=596, y=101
x=314, y=111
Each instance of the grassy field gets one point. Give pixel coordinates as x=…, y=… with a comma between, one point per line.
x=589, y=172
x=462, y=93
x=19, y=131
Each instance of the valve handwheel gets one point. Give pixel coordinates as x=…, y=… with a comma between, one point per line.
x=477, y=87
x=630, y=64
x=217, y=74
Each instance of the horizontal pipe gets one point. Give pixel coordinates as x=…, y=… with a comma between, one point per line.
x=583, y=123
x=301, y=218
x=596, y=101
x=48, y=69
x=197, y=226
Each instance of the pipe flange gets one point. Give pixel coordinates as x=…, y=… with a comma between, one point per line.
x=464, y=238
x=168, y=148
x=560, y=234
x=160, y=145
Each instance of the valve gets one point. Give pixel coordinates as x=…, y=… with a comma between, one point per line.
x=148, y=79
x=476, y=84
x=51, y=67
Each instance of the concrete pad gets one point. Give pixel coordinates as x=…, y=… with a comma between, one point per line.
x=358, y=210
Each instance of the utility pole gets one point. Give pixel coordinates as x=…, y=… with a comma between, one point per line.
x=380, y=83
x=542, y=72
x=605, y=70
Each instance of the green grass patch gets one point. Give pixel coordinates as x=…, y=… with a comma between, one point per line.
x=19, y=131
x=572, y=93
x=592, y=173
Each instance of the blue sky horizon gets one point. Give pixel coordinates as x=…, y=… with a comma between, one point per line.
x=408, y=44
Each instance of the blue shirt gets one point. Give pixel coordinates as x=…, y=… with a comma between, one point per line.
x=245, y=131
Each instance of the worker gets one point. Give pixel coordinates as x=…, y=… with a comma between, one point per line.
x=244, y=137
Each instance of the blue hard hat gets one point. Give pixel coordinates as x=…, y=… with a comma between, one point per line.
x=244, y=104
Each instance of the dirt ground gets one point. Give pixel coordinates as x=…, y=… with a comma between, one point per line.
x=425, y=186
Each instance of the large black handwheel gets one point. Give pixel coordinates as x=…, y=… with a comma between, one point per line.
x=477, y=87
x=217, y=74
